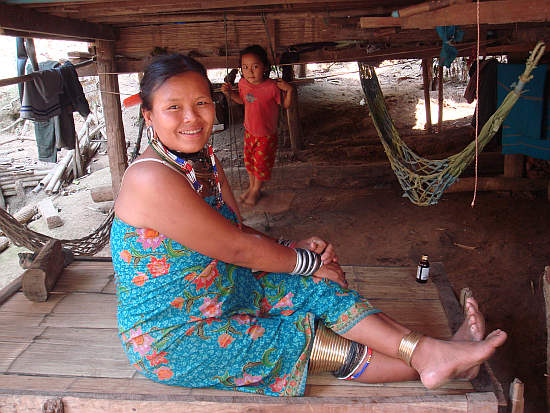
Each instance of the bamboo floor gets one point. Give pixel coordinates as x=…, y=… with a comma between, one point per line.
x=66, y=351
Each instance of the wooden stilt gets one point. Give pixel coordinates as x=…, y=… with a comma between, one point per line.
x=440, y=98
x=425, y=77
x=516, y=396
x=514, y=165
x=118, y=160
x=294, y=127
x=546, y=290
x=302, y=72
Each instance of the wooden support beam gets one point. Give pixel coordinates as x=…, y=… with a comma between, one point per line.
x=426, y=6
x=294, y=127
x=514, y=165
x=110, y=97
x=546, y=292
x=41, y=277
x=498, y=183
x=426, y=85
x=27, y=20
x=490, y=12
x=440, y=98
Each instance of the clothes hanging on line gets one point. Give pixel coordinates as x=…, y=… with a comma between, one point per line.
x=50, y=100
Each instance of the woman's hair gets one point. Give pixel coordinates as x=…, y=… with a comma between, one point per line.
x=260, y=53
x=161, y=69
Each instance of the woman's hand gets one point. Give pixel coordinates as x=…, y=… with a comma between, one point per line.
x=320, y=246
x=333, y=272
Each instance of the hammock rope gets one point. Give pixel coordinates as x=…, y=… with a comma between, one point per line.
x=424, y=180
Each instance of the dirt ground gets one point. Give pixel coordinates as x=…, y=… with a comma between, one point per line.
x=498, y=248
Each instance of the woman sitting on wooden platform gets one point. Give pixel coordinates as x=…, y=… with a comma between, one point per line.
x=191, y=312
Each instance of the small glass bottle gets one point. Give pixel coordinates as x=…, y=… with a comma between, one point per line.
x=423, y=270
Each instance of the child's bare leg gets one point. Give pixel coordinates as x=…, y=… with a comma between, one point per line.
x=254, y=194
x=251, y=180
x=435, y=361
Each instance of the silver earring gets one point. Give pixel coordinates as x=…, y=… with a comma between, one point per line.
x=150, y=132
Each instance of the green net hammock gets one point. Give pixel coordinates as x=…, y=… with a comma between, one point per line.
x=425, y=180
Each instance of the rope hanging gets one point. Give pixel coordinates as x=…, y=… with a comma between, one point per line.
x=425, y=180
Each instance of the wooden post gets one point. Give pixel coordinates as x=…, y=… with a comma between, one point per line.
x=426, y=79
x=514, y=165
x=440, y=98
x=294, y=127
x=302, y=71
x=116, y=142
x=41, y=277
x=546, y=290
x=516, y=396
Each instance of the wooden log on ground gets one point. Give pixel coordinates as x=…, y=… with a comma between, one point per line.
x=40, y=279
x=498, y=183
x=59, y=170
x=49, y=213
x=102, y=193
x=546, y=290
x=4, y=243
x=25, y=214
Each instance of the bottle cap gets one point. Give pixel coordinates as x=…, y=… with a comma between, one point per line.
x=425, y=257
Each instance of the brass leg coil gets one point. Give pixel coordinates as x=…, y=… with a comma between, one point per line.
x=334, y=353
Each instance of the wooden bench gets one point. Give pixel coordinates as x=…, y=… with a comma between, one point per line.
x=65, y=353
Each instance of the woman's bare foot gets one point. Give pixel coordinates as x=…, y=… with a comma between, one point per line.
x=439, y=361
x=472, y=329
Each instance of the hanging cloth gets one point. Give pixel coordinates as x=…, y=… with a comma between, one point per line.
x=450, y=35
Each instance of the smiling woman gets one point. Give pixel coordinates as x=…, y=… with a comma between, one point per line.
x=191, y=312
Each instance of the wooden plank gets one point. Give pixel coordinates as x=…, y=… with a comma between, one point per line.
x=89, y=310
x=18, y=334
x=9, y=352
x=18, y=303
x=16, y=383
x=482, y=403
x=27, y=20
x=422, y=404
x=75, y=280
x=73, y=359
x=490, y=12
x=498, y=183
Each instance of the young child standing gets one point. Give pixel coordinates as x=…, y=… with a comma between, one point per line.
x=261, y=97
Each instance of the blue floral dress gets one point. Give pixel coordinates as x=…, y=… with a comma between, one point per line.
x=189, y=320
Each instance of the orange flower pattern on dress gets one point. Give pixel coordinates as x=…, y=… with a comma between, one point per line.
x=225, y=339
x=140, y=279
x=157, y=358
x=255, y=331
x=205, y=278
x=190, y=320
x=178, y=303
x=164, y=373
x=158, y=267
x=126, y=256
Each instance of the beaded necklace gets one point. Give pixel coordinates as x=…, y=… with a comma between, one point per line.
x=186, y=167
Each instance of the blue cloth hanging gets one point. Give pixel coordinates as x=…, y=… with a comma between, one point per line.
x=525, y=130
x=449, y=35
